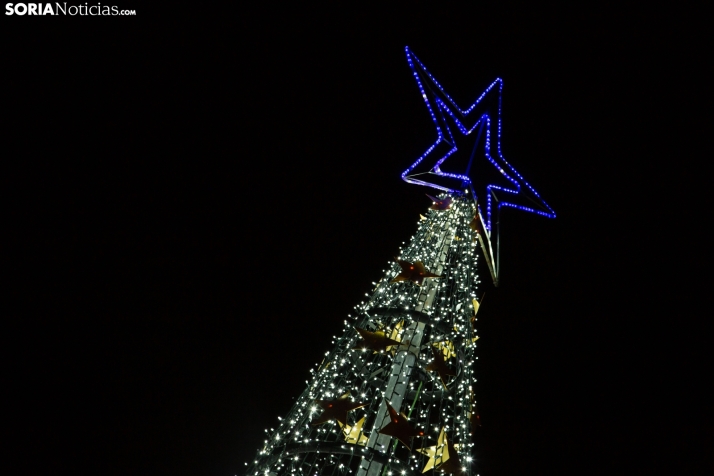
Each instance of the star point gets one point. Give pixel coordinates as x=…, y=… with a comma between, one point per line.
x=414, y=272
x=399, y=427
x=439, y=365
x=375, y=340
x=354, y=434
x=336, y=409
x=443, y=457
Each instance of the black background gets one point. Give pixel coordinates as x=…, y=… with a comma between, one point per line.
x=198, y=195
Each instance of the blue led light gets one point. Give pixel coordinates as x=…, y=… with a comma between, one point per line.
x=449, y=107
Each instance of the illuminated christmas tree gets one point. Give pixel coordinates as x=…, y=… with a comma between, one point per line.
x=396, y=394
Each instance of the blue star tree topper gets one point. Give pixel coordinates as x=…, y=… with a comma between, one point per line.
x=495, y=182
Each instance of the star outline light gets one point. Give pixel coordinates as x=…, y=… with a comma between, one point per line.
x=508, y=172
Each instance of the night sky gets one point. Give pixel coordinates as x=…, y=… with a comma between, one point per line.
x=199, y=196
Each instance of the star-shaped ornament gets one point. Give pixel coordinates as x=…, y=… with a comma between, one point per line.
x=469, y=138
x=442, y=457
x=439, y=365
x=468, y=144
x=476, y=306
x=414, y=272
x=440, y=203
x=395, y=334
x=447, y=347
x=336, y=409
x=399, y=427
x=397, y=330
x=354, y=434
x=374, y=340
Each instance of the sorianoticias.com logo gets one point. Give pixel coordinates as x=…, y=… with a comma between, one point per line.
x=58, y=8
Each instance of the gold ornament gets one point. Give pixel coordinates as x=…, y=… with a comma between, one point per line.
x=447, y=347
x=376, y=341
x=395, y=336
x=353, y=434
x=477, y=305
x=442, y=457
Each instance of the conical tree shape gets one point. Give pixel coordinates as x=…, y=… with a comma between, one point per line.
x=382, y=359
